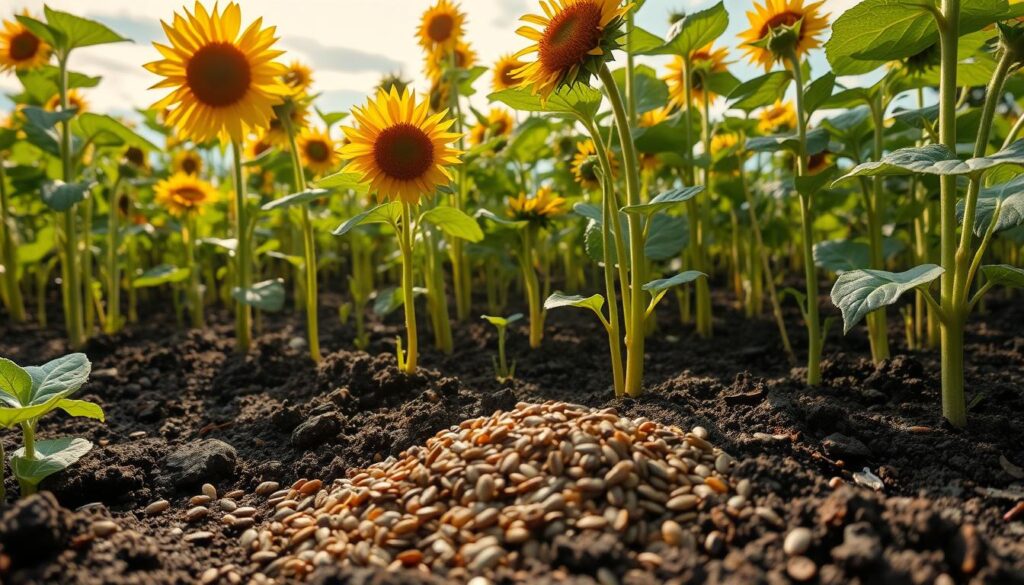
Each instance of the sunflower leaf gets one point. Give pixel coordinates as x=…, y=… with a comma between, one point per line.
x=61, y=196
x=51, y=456
x=695, y=30
x=388, y=212
x=162, y=274
x=859, y=292
x=267, y=295
x=936, y=159
x=295, y=199
x=1011, y=214
x=760, y=91
x=580, y=100
x=665, y=200
x=79, y=32
x=1004, y=275
x=455, y=223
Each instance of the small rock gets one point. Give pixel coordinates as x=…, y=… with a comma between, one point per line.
x=317, y=430
x=801, y=569
x=839, y=445
x=199, y=461
x=297, y=343
x=797, y=541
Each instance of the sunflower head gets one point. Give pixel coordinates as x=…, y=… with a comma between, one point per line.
x=441, y=26
x=75, y=102
x=921, y=62
x=134, y=161
x=777, y=118
x=503, y=73
x=586, y=167
x=297, y=112
x=393, y=80
x=224, y=81
x=399, y=147
x=817, y=163
x=539, y=209
x=257, y=145
x=187, y=162
x=439, y=60
x=574, y=39
x=780, y=28
x=704, y=61
x=653, y=117
x=499, y=123
x=298, y=77
x=20, y=48
x=723, y=142
x=317, y=151
x=183, y=194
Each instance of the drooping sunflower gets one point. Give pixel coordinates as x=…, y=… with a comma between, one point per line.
x=182, y=194
x=777, y=118
x=298, y=77
x=503, y=73
x=187, y=162
x=136, y=158
x=441, y=26
x=225, y=84
x=540, y=208
x=399, y=147
x=438, y=60
x=20, y=48
x=275, y=133
x=780, y=17
x=75, y=102
x=705, y=60
x=499, y=123
x=574, y=39
x=585, y=165
x=317, y=151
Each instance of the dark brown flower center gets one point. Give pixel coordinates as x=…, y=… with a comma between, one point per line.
x=189, y=196
x=23, y=45
x=786, y=18
x=440, y=28
x=189, y=166
x=135, y=156
x=506, y=76
x=218, y=74
x=571, y=34
x=403, y=152
x=318, y=151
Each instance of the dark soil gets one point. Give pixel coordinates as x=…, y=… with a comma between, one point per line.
x=171, y=395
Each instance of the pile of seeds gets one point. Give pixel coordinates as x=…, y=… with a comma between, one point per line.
x=498, y=490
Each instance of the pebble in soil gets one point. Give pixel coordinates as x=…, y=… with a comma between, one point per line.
x=497, y=494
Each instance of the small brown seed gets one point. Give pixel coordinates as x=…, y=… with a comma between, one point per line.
x=209, y=491
x=682, y=503
x=672, y=532
x=104, y=528
x=797, y=541
x=591, y=522
x=157, y=507
x=801, y=569
x=197, y=513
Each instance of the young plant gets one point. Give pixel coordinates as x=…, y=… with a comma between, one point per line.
x=27, y=395
x=503, y=371
x=404, y=155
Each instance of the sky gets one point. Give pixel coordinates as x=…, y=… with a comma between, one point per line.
x=350, y=44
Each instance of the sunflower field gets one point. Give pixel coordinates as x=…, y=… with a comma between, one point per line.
x=662, y=291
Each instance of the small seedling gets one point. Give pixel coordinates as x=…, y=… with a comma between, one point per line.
x=502, y=371
x=28, y=394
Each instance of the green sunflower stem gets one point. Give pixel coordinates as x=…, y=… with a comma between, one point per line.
x=195, y=298
x=532, y=286
x=461, y=278
x=408, y=361
x=878, y=324
x=693, y=214
x=9, y=251
x=815, y=343
x=71, y=283
x=113, y=323
x=243, y=256
x=309, y=267
x=637, y=310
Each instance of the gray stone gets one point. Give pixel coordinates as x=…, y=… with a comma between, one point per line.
x=316, y=430
x=202, y=461
x=841, y=446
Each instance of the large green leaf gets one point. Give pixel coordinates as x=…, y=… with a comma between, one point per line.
x=579, y=100
x=936, y=159
x=162, y=274
x=1004, y=275
x=106, y=131
x=455, y=223
x=663, y=284
x=1011, y=214
x=389, y=212
x=265, y=296
x=76, y=31
x=649, y=90
x=530, y=140
x=842, y=255
x=295, y=199
x=61, y=196
x=82, y=408
x=60, y=377
x=558, y=300
x=51, y=456
x=695, y=30
x=343, y=181
x=760, y=91
x=14, y=415
x=876, y=31
x=665, y=200
x=15, y=383
x=859, y=292
x=817, y=142
x=667, y=235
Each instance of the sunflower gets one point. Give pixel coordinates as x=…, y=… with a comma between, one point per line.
x=224, y=83
x=585, y=165
x=540, y=208
x=777, y=118
x=275, y=132
x=394, y=80
x=187, y=162
x=298, y=77
x=503, y=70
x=652, y=117
x=780, y=18
x=438, y=60
x=316, y=149
x=722, y=142
x=574, y=39
x=441, y=26
x=399, y=147
x=257, y=145
x=499, y=123
x=20, y=48
x=705, y=60
x=75, y=102
x=816, y=163
x=136, y=158
x=183, y=194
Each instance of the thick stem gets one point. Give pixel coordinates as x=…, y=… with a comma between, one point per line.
x=637, y=309
x=243, y=259
x=879, y=324
x=308, y=246
x=532, y=287
x=16, y=305
x=814, y=340
x=113, y=323
x=408, y=300
x=954, y=406
x=461, y=280
x=71, y=288
x=195, y=298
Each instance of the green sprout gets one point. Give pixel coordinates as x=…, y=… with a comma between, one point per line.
x=502, y=370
